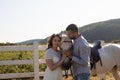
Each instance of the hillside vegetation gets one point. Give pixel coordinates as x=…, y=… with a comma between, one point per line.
x=107, y=30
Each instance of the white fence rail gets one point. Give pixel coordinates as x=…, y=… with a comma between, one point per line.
x=36, y=61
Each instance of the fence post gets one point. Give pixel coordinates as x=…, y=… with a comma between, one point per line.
x=36, y=61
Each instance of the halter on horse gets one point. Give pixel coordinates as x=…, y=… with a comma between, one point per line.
x=66, y=45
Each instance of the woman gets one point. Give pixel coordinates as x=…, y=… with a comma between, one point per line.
x=53, y=59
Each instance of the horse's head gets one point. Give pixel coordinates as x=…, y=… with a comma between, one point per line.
x=66, y=43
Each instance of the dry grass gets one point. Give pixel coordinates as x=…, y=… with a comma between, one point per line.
x=108, y=77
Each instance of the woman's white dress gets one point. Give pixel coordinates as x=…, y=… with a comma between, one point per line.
x=57, y=73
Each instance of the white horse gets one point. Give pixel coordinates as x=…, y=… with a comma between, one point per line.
x=110, y=57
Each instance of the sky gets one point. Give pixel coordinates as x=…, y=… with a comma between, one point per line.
x=22, y=20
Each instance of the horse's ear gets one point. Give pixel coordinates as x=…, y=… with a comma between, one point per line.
x=61, y=33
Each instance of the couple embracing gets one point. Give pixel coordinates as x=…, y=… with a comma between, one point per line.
x=80, y=56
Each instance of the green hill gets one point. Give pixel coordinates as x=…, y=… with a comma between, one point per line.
x=107, y=30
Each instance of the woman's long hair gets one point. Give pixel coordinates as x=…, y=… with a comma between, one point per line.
x=50, y=44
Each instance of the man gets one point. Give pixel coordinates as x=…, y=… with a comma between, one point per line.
x=81, y=54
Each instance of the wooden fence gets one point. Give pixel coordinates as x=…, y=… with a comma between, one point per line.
x=36, y=61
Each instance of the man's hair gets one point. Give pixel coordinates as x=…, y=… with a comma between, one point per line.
x=72, y=27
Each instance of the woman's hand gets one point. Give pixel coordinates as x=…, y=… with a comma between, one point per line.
x=64, y=56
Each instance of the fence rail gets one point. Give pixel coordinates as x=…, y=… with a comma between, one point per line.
x=36, y=61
